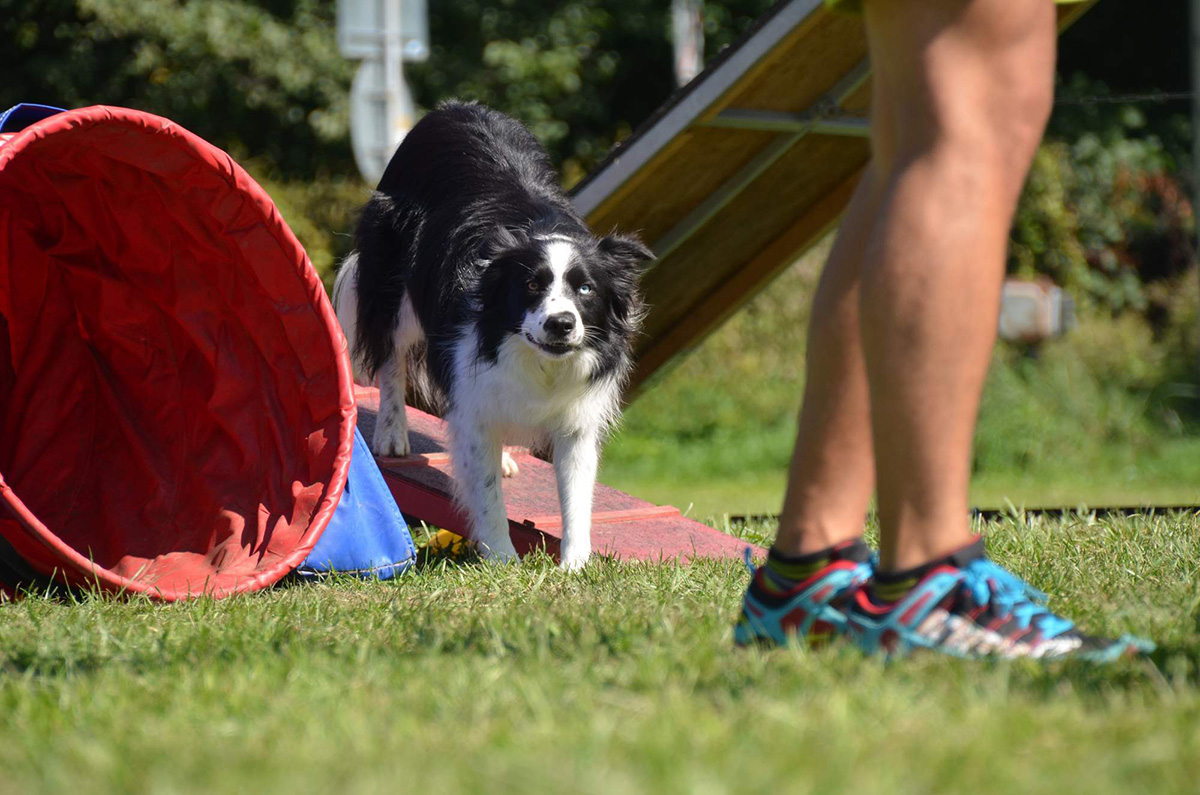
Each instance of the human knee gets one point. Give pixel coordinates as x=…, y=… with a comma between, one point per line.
x=1018, y=117
x=988, y=134
x=982, y=88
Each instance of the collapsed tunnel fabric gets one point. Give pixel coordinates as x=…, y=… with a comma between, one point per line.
x=176, y=410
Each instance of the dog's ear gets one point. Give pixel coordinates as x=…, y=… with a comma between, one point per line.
x=494, y=280
x=508, y=256
x=627, y=251
x=628, y=257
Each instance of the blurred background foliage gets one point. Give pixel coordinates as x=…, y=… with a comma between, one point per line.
x=1110, y=411
x=263, y=78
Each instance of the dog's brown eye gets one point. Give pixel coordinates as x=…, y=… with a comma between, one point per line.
x=533, y=285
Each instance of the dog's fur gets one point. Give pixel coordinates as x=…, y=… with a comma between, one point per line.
x=472, y=269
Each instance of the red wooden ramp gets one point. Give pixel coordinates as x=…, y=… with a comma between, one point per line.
x=622, y=525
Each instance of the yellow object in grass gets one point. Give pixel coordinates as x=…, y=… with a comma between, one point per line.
x=451, y=544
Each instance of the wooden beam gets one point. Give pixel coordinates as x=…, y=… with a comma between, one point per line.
x=723, y=195
x=624, y=169
x=722, y=302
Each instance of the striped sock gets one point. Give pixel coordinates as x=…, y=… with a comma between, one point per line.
x=784, y=572
x=888, y=587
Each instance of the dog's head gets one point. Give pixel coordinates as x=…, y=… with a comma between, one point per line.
x=563, y=294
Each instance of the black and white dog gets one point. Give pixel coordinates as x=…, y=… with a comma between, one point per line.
x=469, y=253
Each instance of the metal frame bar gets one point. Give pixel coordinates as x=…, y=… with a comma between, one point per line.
x=850, y=82
x=710, y=88
x=724, y=194
x=822, y=117
x=1195, y=64
x=775, y=121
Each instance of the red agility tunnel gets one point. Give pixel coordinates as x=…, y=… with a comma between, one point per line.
x=176, y=409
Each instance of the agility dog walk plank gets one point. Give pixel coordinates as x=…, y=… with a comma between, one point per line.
x=741, y=170
x=622, y=525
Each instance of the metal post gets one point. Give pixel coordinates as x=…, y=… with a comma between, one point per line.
x=687, y=34
x=1195, y=4
x=393, y=78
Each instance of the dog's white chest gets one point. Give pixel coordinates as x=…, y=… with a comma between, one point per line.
x=527, y=392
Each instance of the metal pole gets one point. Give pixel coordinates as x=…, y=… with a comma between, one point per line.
x=1195, y=26
x=393, y=78
x=687, y=35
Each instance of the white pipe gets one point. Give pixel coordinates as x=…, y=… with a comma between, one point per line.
x=393, y=77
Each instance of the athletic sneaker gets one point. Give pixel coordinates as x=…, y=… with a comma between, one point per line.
x=967, y=606
x=811, y=609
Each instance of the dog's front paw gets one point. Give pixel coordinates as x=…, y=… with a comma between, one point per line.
x=390, y=441
x=573, y=560
x=498, y=552
x=508, y=465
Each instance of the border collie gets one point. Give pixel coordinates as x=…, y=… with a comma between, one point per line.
x=472, y=269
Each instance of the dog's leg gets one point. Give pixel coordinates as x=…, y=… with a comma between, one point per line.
x=345, y=304
x=575, y=460
x=476, y=456
x=508, y=465
x=391, y=425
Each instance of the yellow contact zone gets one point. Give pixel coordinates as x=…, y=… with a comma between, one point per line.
x=853, y=6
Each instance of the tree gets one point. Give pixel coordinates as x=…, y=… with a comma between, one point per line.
x=581, y=76
x=264, y=79
x=261, y=79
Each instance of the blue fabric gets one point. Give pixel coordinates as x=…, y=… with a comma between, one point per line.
x=18, y=117
x=367, y=535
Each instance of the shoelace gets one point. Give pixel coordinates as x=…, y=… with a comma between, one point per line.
x=991, y=583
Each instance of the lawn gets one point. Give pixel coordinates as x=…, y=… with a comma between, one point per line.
x=751, y=479
x=458, y=677
x=1107, y=415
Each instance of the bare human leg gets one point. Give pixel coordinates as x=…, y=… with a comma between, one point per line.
x=903, y=325
x=832, y=472
x=969, y=87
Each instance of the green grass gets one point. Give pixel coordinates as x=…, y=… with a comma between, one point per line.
x=1166, y=474
x=752, y=493
x=1108, y=414
x=465, y=678
x=742, y=484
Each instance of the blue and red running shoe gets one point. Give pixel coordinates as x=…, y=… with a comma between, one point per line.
x=967, y=606
x=812, y=610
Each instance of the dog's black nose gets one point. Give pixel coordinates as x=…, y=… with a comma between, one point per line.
x=560, y=325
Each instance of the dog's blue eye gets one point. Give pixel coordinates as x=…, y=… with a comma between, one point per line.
x=584, y=289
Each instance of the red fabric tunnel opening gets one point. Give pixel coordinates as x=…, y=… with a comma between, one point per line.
x=175, y=396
